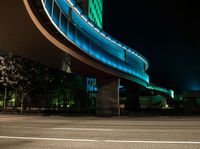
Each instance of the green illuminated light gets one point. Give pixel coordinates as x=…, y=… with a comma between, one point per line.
x=95, y=11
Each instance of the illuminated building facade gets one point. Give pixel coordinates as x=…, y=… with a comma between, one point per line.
x=94, y=10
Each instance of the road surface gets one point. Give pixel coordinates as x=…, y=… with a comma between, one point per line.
x=57, y=132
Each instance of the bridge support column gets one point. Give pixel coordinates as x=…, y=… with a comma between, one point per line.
x=107, y=102
x=133, y=94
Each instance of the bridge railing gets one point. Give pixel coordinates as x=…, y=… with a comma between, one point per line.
x=70, y=21
x=161, y=89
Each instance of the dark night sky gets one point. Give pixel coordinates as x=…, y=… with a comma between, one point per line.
x=167, y=33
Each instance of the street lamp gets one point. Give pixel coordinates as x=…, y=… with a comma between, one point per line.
x=5, y=96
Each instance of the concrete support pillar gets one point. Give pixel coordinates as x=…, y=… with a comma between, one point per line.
x=164, y=102
x=133, y=94
x=107, y=102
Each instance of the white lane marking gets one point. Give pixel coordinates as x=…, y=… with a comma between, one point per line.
x=153, y=142
x=93, y=140
x=48, y=139
x=84, y=129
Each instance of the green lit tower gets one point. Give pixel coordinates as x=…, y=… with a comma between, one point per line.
x=94, y=10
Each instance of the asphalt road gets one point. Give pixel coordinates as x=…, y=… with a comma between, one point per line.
x=56, y=132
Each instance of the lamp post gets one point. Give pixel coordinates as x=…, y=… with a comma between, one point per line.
x=5, y=96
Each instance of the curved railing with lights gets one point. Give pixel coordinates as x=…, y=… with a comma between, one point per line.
x=161, y=89
x=75, y=26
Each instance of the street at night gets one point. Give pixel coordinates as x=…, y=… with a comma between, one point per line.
x=22, y=132
x=94, y=74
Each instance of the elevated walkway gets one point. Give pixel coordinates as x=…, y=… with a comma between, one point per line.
x=49, y=31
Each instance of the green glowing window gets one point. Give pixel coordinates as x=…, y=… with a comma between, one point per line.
x=95, y=11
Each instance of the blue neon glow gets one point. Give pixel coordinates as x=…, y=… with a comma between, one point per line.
x=78, y=29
